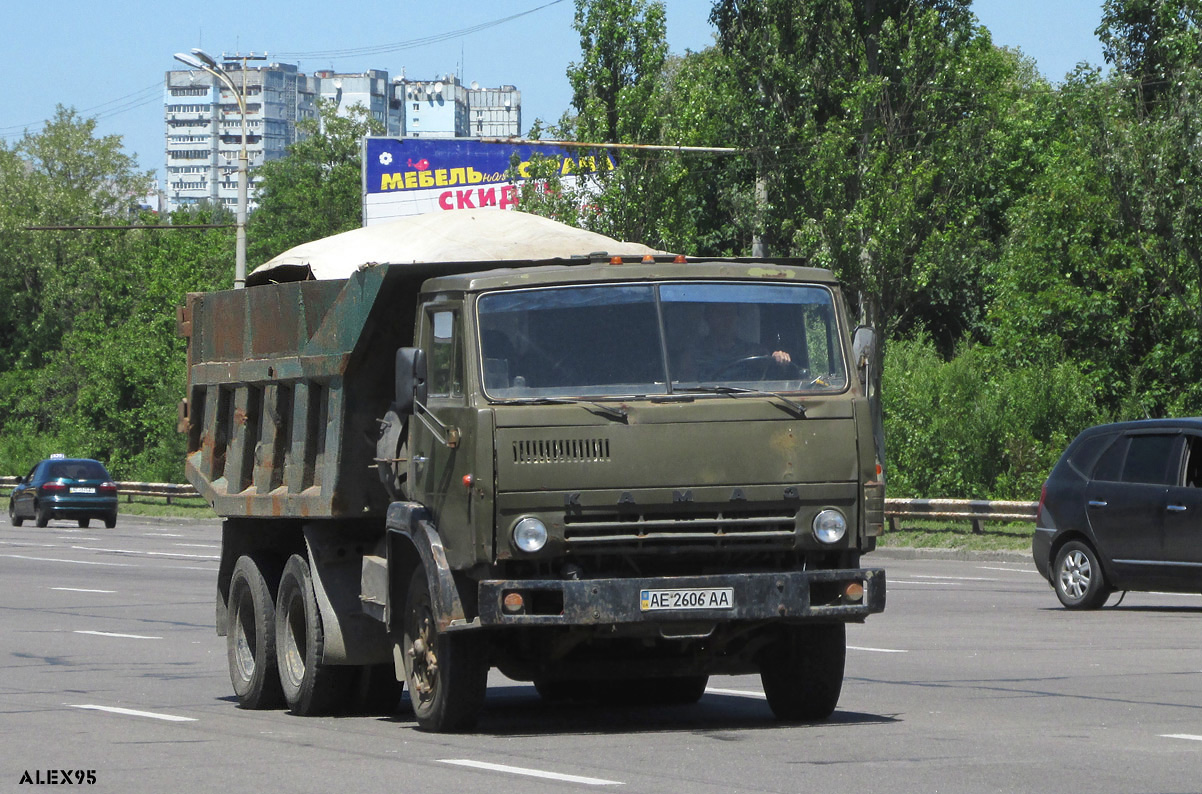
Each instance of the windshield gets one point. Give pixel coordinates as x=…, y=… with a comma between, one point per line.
x=655, y=339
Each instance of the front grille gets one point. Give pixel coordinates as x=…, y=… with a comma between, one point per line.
x=760, y=530
x=568, y=450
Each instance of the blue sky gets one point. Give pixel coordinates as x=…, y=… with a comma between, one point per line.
x=107, y=60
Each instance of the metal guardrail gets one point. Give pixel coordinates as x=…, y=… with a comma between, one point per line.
x=976, y=511
x=155, y=490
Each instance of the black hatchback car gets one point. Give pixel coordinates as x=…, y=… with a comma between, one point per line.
x=1122, y=510
x=77, y=489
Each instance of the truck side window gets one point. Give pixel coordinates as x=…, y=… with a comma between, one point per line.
x=445, y=355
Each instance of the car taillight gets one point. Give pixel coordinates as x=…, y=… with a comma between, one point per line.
x=1043, y=494
x=53, y=486
x=107, y=488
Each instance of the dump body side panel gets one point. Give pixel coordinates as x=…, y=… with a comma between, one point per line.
x=286, y=383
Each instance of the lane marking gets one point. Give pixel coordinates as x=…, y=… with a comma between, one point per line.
x=874, y=650
x=76, y=562
x=741, y=693
x=199, y=545
x=954, y=578
x=132, y=712
x=1008, y=570
x=81, y=590
x=928, y=584
x=163, y=535
x=122, y=636
x=151, y=553
x=517, y=770
x=1191, y=737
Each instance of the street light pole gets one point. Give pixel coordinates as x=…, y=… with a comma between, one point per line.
x=202, y=60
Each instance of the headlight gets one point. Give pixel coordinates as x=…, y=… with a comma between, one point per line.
x=529, y=534
x=830, y=526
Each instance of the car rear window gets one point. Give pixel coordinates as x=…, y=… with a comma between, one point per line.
x=1110, y=464
x=1084, y=454
x=78, y=470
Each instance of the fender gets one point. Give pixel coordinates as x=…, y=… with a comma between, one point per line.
x=413, y=540
x=351, y=635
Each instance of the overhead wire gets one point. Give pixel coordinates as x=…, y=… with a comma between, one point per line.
x=141, y=97
x=380, y=49
x=150, y=93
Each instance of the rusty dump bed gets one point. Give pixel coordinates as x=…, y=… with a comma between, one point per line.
x=286, y=383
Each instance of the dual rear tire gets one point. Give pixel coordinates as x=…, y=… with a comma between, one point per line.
x=275, y=640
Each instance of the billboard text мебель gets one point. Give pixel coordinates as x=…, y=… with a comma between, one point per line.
x=411, y=176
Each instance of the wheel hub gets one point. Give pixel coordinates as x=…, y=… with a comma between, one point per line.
x=424, y=660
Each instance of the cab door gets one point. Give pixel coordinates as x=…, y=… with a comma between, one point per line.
x=442, y=432
x=1126, y=501
x=1183, y=516
x=24, y=498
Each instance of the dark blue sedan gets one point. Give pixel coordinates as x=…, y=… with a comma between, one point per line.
x=76, y=489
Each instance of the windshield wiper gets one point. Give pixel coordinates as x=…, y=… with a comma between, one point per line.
x=783, y=402
x=616, y=413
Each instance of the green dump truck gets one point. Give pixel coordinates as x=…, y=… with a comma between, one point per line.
x=613, y=474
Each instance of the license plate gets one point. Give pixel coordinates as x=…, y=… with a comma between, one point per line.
x=83, y=490
x=687, y=598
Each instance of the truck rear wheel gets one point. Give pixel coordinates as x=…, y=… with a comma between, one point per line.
x=802, y=671
x=310, y=687
x=447, y=673
x=250, y=638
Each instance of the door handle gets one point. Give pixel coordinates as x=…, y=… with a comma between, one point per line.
x=1176, y=508
x=1097, y=503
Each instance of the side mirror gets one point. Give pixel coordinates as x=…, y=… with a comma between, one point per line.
x=863, y=345
x=410, y=379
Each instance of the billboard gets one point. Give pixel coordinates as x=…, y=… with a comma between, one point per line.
x=411, y=176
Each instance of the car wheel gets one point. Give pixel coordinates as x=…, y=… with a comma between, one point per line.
x=84, y=522
x=110, y=520
x=43, y=516
x=12, y=515
x=1079, y=581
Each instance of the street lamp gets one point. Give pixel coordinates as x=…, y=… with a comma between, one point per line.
x=202, y=60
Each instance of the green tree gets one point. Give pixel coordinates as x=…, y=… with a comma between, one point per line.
x=1104, y=263
x=90, y=362
x=316, y=190
x=623, y=48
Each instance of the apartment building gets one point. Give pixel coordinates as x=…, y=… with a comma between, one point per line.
x=203, y=122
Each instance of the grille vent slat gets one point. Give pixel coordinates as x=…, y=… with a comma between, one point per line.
x=568, y=450
x=640, y=532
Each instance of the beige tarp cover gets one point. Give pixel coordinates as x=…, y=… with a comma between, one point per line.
x=451, y=236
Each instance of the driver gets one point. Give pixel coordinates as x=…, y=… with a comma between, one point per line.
x=723, y=347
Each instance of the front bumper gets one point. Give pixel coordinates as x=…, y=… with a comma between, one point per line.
x=793, y=596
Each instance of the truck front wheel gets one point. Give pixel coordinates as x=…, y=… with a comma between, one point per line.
x=802, y=671
x=250, y=638
x=447, y=673
x=310, y=687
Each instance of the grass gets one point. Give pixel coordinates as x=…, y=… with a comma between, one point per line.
x=179, y=508
x=916, y=534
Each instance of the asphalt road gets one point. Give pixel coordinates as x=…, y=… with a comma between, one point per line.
x=973, y=680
